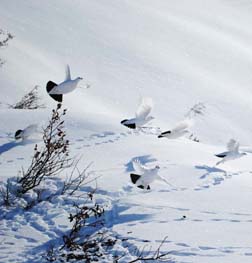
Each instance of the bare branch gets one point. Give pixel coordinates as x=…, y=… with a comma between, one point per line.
x=74, y=182
x=157, y=256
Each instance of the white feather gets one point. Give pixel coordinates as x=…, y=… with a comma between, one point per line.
x=183, y=125
x=179, y=130
x=68, y=73
x=144, y=108
x=233, y=146
x=138, y=167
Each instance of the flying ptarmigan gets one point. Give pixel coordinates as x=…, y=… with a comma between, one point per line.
x=144, y=176
x=231, y=153
x=27, y=133
x=179, y=130
x=142, y=115
x=56, y=91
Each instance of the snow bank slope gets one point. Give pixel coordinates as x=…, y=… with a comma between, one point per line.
x=178, y=53
x=183, y=53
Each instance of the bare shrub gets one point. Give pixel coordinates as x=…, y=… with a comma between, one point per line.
x=30, y=101
x=76, y=179
x=88, y=241
x=48, y=161
x=196, y=109
x=52, y=158
x=6, y=195
x=84, y=241
x=5, y=37
x=144, y=255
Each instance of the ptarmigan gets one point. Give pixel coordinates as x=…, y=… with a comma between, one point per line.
x=179, y=130
x=56, y=91
x=142, y=115
x=144, y=176
x=231, y=153
x=27, y=133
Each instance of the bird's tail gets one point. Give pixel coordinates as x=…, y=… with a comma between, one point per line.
x=49, y=86
x=134, y=178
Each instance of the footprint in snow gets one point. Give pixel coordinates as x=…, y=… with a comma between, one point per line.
x=28, y=239
x=94, y=139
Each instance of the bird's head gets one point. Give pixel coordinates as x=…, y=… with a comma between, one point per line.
x=150, y=118
x=244, y=154
x=18, y=134
x=78, y=79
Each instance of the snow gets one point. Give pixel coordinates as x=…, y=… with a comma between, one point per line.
x=177, y=53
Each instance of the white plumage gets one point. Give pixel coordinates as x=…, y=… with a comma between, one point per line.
x=142, y=115
x=144, y=176
x=231, y=153
x=179, y=130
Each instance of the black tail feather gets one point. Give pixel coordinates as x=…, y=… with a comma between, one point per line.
x=49, y=86
x=163, y=134
x=142, y=187
x=134, y=178
x=220, y=155
x=131, y=126
x=57, y=97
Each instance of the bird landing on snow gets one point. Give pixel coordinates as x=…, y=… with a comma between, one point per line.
x=231, y=153
x=27, y=133
x=144, y=176
x=142, y=115
x=179, y=130
x=56, y=91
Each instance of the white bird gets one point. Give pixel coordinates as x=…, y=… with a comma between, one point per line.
x=27, y=133
x=231, y=153
x=179, y=130
x=56, y=91
x=142, y=115
x=144, y=176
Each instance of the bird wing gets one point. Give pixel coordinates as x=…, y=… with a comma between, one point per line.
x=138, y=167
x=68, y=74
x=144, y=108
x=31, y=128
x=233, y=146
x=183, y=125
